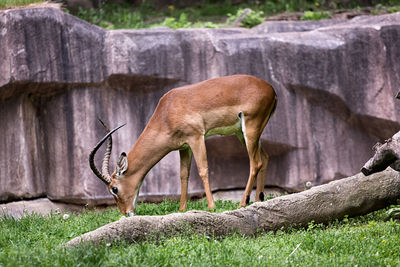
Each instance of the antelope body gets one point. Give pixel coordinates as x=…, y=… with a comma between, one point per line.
x=238, y=104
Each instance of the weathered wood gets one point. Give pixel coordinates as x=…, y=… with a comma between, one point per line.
x=356, y=195
x=386, y=154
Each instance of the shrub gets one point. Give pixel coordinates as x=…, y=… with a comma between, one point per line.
x=172, y=23
x=251, y=19
x=315, y=15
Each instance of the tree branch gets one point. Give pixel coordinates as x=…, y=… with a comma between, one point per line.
x=386, y=154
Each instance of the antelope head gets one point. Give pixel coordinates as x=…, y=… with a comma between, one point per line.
x=116, y=182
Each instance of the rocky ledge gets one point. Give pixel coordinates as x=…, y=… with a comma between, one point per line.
x=335, y=80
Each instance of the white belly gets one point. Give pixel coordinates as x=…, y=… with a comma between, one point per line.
x=225, y=130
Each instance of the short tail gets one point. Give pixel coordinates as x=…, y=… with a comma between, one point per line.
x=272, y=110
x=274, y=107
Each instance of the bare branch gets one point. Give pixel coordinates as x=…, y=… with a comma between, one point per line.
x=386, y=154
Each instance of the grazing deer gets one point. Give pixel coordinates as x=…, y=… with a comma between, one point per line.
x=184, y=117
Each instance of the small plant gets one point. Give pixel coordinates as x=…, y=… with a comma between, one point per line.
x=248, y=17
x=393, y=213
x=314, y=226
x=315, y=15
x=207, y=24
x=393, y=9
x=372, y=224
x=172, y=23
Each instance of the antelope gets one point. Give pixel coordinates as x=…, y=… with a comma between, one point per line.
x=183, y=118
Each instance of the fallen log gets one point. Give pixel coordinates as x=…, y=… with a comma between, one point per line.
x=352, y=196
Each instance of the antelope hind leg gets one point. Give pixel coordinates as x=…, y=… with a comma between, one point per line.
x=262, y=175
x=253, y=150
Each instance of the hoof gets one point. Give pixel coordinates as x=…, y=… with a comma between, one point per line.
x=247, y=199
x=261, y=196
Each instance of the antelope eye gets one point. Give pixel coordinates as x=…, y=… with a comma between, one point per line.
x=114, y=190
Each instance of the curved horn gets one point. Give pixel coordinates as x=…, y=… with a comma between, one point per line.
x=104, y=177
x=105, y=166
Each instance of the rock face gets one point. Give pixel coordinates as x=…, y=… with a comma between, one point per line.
x=335, y=82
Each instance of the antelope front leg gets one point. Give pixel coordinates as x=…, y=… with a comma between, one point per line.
x=186, y=160
x=198, y=147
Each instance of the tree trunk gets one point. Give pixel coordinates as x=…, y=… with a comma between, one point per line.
x=356, y=195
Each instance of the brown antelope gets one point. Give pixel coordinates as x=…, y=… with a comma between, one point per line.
x=238, y=104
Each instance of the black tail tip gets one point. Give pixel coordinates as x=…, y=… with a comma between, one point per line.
x=247, y=199
x=261, y=196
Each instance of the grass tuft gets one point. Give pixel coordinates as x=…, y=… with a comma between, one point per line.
x=6, y=4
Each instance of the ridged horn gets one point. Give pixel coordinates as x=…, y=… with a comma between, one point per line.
x=105, y=165
x=106, y=178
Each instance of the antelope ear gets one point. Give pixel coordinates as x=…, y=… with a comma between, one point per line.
x=122, y=164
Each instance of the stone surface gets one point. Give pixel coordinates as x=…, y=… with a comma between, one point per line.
x=294, y=26
x=335, y=81
x=41, y=206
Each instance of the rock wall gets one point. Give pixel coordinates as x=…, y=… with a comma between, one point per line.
x=335, y=80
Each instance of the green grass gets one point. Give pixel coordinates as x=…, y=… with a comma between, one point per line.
x=208, y=13
x=14, y=3
x=369, y=240
x=215, y=13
